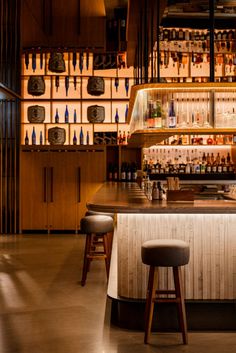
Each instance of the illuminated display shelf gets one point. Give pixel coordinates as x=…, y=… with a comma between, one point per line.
x=77, y=98
x=215, y=104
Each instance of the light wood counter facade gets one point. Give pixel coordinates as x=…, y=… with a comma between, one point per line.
x=208, y=226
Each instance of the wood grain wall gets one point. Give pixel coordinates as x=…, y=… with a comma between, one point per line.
x=211, y=272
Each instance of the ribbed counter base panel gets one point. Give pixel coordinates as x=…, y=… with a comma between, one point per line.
x=201, y=315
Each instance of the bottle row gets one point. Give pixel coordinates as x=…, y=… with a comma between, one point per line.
x=128, y=172
x=57, y=136
x=194, y=162
x=199, y=140
x=80, y=63
x=193, y=111
x=180, y=34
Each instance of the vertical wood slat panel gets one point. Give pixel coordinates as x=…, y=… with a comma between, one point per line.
x=211, y=272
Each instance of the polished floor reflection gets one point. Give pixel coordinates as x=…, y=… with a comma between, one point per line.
x=43, y=308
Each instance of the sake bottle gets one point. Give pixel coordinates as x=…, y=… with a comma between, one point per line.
x=66, y=114
x=41, y=138
x=116, y=83
x=75, y=116
x=74, y=138
x=127, y=86
x=33, y=137
x=57, y=117
x=81, y=136
x=87, y=138
x=117, y=116
x=26, y=138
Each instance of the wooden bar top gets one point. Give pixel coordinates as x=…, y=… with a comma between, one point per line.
x=118, y=197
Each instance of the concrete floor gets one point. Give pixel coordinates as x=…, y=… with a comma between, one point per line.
x=43, y=308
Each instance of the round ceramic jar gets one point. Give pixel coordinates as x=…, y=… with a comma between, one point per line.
x=95, y=114
x=95, y=86
x=36, y=85
x=36, y=114
x=56, y=136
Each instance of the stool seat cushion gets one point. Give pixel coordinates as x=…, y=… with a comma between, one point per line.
x=95, y=213
x=165, y=252
x=96, y=224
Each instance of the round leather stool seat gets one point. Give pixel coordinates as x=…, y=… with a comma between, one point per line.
x=165, y=252
x=96, y=224
x=95, y=213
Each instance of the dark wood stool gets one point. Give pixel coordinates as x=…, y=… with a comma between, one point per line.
x=110, y=234
x=96, y=228
x=165, y=253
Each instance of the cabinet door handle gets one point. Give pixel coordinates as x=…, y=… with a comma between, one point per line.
x=79, y=182
x=45, y=184
x=51, y=183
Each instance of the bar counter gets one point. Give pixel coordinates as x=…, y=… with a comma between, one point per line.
x=208, y=226
x=129, y=198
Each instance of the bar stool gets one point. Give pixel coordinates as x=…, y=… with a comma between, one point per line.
x=165, y=253
x=96, y=229
x=110, y=234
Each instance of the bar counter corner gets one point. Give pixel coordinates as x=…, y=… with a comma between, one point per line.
x=210, y=277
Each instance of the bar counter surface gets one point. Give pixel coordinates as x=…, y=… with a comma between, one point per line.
x=118, y=197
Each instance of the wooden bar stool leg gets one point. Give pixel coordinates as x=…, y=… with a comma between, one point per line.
x=181, y=303
x=152, y=283
x=86, y=259
x=106, y=252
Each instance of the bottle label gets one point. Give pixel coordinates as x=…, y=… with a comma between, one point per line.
x=123, y=176
x=128, y=175
x=172, y=121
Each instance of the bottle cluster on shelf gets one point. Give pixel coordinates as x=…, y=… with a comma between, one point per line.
x=187, y=161
x=199, y=140
x=177, y=111
x=185, y=55
x=191, y=110
x=128, y=171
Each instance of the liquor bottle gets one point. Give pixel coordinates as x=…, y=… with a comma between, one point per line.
x=26, y=138
x=67, y=84
x=74, y=60
x=116, y=83
x=57, y=82
x=33, y=137
x=134, y=172
x=74, y=138
x=161, y=190
x=66, y=115
x=75, y=82
x=123, y=171
x=34, y=62
x=128, y=173
x=81, y=136
x=41, y=138
x=87, y=60
x=27, y=60
x=126, y=112
x=128, y=137
x=155, y=191
x=120, y=140
x=158, y=115
x=75, y=116
x=81, y=59
x=115, y=173
x=228, y=158
x=57, y=117
x=181, y=34
x=209, y=140
x=124, y=138
x=87, y=138
x=110, y=171
x=117, y=116
x=127, y=86
x=171, y=115
x=41, y=60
